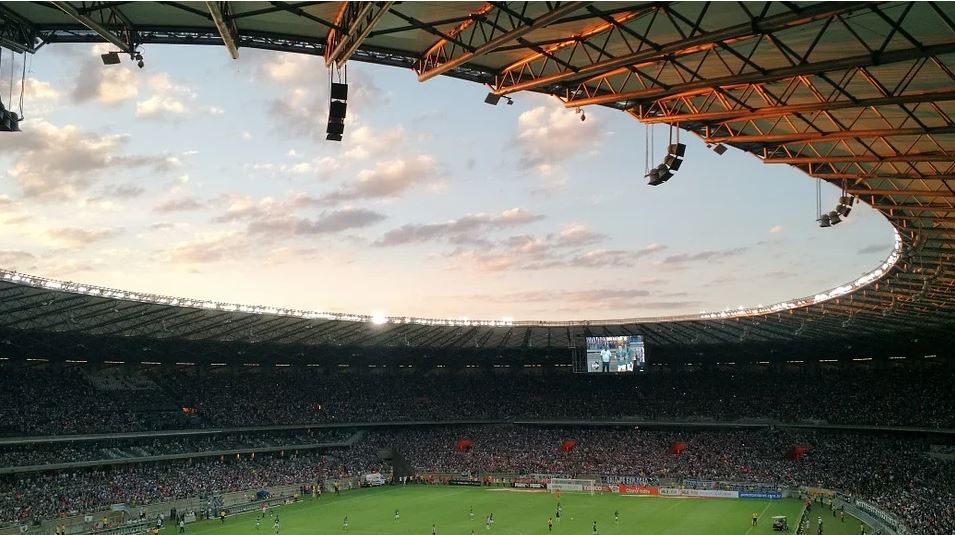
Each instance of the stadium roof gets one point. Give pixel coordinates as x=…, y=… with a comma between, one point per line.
x=859, y=94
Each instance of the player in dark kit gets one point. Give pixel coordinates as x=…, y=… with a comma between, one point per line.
x=595, y=527
x=550, y=524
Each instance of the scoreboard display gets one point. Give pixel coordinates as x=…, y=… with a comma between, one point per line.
x=612, y=354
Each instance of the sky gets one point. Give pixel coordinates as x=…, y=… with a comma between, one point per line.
x=205, y=177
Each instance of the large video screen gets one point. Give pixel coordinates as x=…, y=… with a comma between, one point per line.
x=615, y=354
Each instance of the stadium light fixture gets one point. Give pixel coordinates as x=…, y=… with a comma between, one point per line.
x=834, y=218
x=110, y=58
x=379, y=318
x=492, y=99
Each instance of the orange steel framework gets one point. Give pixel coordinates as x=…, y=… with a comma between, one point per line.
x=859, y=94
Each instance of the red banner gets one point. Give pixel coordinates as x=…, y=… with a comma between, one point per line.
x=639, y=490
x=568, y=445
x=464, y=444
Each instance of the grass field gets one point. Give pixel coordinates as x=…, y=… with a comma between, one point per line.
x=372, y=511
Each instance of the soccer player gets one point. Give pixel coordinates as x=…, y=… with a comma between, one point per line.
x=557, y=514
x=755, y=517
x=345, y=523
x=487, y=522
x=616, y=516
x=550, y=524
x=471, y=513
x=595, y=527
x=434, y=530
x=258, y=522
x=397, y=516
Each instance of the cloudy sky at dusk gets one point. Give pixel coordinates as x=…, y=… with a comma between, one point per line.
x=203, y=177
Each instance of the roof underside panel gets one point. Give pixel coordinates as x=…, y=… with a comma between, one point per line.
x=860, y=94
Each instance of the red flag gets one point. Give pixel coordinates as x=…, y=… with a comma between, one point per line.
x=568, y=445
x=464, y=444
x=796, y=452
x=677, y=448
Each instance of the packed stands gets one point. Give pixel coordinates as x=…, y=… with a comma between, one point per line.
x=40, y=401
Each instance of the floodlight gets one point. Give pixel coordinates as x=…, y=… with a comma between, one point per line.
x=843, y=210
x=492, y=99
x=653, y=177
x=834, y=218
x=673, y=162
x=847, y=200
x=824, y=221
x=665, y=173
x=676, y=149
x=110, y=58
x=719, y=148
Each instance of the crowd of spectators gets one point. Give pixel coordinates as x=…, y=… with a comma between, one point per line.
x=896, y=474
x=893, y=473
x=43, y=401
x=45, y=453
x=39, y=401
x=79, y=492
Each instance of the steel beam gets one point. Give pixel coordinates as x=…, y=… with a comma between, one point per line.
x=863, y=158
x=812, y=137
x=435, y=61
x=937, y=194
x=811, y=107
x=16, y=32
x=916, y=207
x=224, y=20
x=880, y=176
x=693, y=45
x=765, y=76
x=127, y=40
x=356, y=20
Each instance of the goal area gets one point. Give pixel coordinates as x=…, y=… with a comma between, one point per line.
x=573, y=485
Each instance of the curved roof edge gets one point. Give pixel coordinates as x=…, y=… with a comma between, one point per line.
x=126, y=295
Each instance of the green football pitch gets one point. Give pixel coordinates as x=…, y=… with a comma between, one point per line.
x=371, y=511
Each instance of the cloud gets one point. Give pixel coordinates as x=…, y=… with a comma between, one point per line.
x=208, y=248
x=109, y=85
x=59, y=162
x=776, y=229
x=547, y=136
x=81, y=236
x=527, y=253
x=327, y=223
x=684, y=258
x=185, y=204
x=874, y=248
x=460, y=230
x=123, y=191
x=387, y=180
x=157, y=106
x=366, y=142
x=19, y=260
x=578, y=236
x=39, y=90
